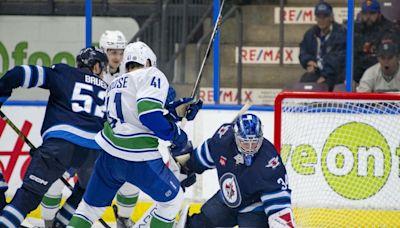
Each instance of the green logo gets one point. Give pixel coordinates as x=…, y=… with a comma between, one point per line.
x=356, y=160
x=20, y=57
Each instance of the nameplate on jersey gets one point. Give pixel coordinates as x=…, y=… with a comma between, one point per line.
x=230, y=190
x=94, y=80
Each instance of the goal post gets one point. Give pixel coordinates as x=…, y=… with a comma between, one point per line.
x=341, y=152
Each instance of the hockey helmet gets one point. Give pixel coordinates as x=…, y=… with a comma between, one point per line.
x=136, y=52
x=248, y=136
x=88, y=57
x=150, y=54
x=112, y=40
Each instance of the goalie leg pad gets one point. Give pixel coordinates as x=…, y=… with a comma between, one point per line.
x=282, y=219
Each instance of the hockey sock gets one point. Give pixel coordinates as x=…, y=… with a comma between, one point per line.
x=15, y=212
x=159, y=222
x=126, y=204
x=66, y=212
x=79, y=222
x=50, y=205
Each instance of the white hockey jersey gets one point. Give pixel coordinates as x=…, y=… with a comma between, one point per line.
x=129, y=96
x=109, y=77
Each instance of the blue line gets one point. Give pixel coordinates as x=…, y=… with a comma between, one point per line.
x=349, y=46
x=205, y=106
x=238, y=107
x=25, y=103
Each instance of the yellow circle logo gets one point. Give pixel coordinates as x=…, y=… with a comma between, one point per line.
x=356, y=160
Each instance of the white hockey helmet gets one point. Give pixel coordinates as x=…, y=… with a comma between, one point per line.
x=150, y=54
x=135, y=52
x=112, y=40
x=139, y=52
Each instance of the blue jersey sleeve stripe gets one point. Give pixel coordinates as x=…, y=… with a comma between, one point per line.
x=276, y=207
x=27, y=76
x=275, y=195
x=40, y=80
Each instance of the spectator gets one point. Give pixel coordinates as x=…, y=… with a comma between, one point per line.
x=367, y=34
x=385, y=75
x=323, y=48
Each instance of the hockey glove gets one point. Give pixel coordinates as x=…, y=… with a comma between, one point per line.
x=177, y=109
x=188, y=181
x=193, y=110
x=180, y=139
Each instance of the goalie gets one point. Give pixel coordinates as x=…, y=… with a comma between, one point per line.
x=253, y=182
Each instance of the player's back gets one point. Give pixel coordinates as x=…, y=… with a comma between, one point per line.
x=129, y=96
x=75, y=110
x=126, y=91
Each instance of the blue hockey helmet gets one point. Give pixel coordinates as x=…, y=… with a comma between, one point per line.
x=248, y=136
x=88, y=57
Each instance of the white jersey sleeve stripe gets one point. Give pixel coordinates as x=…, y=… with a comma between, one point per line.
x=276, y=207
x=276, y=195
x=27, y=76
x=150, y=99
x=204, y=157
x=41, y=76
x=14, y=212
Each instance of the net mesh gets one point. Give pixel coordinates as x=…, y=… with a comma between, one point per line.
x=342, y=158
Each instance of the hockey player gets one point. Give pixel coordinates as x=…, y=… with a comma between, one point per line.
x=113, y=44
x=74, y=114
x=130, y=139
x=254, y=189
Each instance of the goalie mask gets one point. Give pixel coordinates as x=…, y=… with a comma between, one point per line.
x=248, y=136
x=112, y=40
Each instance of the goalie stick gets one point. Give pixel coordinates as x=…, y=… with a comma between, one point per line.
x=30, y=144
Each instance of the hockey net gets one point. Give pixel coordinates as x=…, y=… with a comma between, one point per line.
x=341, y=151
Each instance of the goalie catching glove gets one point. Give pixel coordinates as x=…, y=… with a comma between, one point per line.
x=184, y=107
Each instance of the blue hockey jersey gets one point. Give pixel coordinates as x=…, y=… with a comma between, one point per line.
x=75, y=109
x=263, y=186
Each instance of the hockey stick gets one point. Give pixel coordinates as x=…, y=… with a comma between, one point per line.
x=208, y=50
x=23, y=137
x=30, y=144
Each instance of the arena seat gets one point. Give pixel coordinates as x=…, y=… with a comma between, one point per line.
x=390, y=9
x=306, y=86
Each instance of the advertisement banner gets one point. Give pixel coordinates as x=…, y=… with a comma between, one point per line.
x=268, y=55
x=305, y=15
x=52, y=39
x=230, y=95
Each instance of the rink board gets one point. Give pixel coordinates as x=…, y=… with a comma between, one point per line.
x=203, y=127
